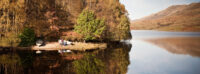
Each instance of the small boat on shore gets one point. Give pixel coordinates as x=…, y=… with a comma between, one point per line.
x=39, y=43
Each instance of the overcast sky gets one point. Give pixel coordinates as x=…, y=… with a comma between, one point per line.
x=140, y=8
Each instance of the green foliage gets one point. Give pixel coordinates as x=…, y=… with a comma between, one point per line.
x=88, y=26
x=89, y=65
x=27, y=37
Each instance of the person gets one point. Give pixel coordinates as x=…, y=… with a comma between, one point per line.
x=60, y=41
x=65, y=42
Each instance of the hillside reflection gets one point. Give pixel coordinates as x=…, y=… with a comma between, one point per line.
x=179, y=45
x=113, y=60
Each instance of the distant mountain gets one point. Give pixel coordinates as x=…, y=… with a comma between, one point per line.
x=174, y=18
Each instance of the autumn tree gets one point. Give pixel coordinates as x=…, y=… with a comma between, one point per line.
x=123, y=28
x=12, y=19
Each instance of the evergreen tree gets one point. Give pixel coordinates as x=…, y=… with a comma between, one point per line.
x=27, y=37
x=89, y=27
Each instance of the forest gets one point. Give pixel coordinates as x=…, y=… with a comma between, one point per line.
x=54, y=19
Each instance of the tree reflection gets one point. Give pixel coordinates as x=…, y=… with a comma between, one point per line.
x=113, y=60
x=10, y=64
x=117, y=58
x=90, y=64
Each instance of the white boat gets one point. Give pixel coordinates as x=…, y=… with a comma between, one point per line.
x=39, y=42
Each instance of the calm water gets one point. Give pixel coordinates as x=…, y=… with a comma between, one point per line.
x=149, y=52
x=156, y=52
x=114, y=59
x=141, y=34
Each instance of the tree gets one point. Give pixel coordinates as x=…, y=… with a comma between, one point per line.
x=89, y=27
x=123, y=28
x=12, y=19
x=27, y=37
x=12, y=15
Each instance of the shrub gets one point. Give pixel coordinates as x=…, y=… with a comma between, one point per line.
x=89, y=27
x=27, y=37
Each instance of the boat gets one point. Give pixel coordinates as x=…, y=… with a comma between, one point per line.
x=39, y=42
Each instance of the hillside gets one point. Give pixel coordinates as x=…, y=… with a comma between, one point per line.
x=174, y=18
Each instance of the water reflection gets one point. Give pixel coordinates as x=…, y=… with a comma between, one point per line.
x=159, y=52
x=113, y=60
x=10, y=64
x=179, y=45
x=148, y=58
